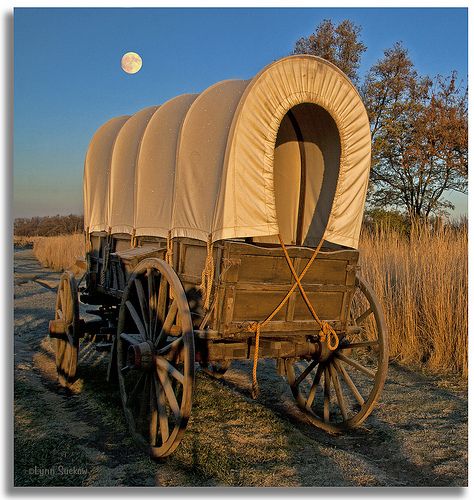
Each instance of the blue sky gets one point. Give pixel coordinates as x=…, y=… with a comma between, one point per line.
x=68, y=80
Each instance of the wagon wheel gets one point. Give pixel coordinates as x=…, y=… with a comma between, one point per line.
x=66, y=324
x=155, y=357
x=341, y=390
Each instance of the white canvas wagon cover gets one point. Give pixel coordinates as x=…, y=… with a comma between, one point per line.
x=286, y=152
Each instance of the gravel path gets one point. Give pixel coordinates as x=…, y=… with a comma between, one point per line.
x=417, y=436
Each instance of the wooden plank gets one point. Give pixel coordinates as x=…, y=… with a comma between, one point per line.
x=138, y=252
x=270, y=349
x=240, y=248
x=228, y=307
x=295, y=327
x=326, y=304
x=260, y=269
x=193, y=258
x=188, y=279
x=284, y=288
x=325, y=271
x=256, y=306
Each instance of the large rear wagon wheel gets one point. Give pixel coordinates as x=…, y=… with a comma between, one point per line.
x=341, y=391
x=64, y=330
x=155, y=357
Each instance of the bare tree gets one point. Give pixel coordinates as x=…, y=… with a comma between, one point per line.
x=419, y=133
x=340, y=45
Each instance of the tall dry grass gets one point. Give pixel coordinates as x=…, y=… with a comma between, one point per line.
x=59, y=252
x=25, y=241
x=422, y=283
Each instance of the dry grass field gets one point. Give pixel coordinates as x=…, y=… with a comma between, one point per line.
x=421, y=282
x=59, y=252
x=25, y=241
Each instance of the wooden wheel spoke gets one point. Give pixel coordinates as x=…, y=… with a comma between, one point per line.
x=143, y=402
x=151, y=301
x=163, y=364
x=337, y=389
x=364, y=316
x=143, y=304
x=64, y=301
x=162, y=414
x=170, y=395
x=356, y=365
x=136, y=319
x=349, y=382
x=70, y=338
x=171, y=348
x=305, y=372
x=68, y=298
x=154, y=412
x=314, y=386
x=132, y=395
x=168, y=322
x=130, y=338
x=162, y=300
x=61, y=300
x=327, y=395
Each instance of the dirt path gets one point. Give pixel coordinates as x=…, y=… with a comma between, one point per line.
x=416, y=437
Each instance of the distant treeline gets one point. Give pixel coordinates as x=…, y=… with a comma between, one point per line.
x=48, y=226
x=376, y=219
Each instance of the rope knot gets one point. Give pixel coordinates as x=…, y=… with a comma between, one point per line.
x=253, y=326
x=329, y=336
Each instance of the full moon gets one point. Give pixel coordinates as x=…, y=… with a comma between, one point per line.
x=131, y=63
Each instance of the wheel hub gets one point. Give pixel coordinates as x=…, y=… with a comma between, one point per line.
x=324, y=352
x=140, y=356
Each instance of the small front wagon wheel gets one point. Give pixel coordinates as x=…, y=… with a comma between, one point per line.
x=155, y=357
x=341, y=391
x=64, y=329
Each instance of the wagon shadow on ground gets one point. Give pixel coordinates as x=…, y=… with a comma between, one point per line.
x=231, y=439
x=407, y=441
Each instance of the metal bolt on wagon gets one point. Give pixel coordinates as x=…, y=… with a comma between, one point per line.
x=224, y=226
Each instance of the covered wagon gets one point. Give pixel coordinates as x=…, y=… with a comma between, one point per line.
x=224, y=226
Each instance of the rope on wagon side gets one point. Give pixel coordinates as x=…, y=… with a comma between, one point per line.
x=327, y=333
x=89, y=248
x=105, y=257
x=88, y=241
x=169, y=249
x=133, y=239
x=207, y=275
